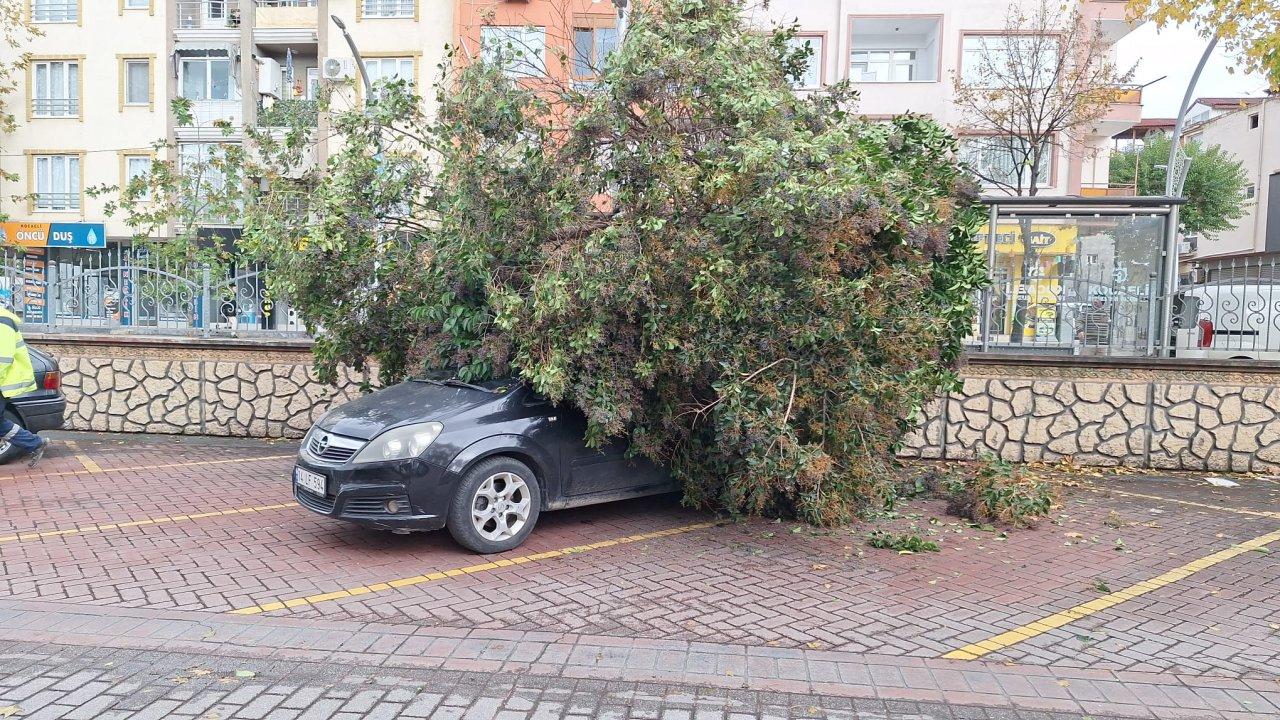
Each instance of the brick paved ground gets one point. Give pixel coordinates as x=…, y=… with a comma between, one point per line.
x=750, y=604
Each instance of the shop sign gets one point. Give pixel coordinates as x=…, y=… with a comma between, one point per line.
x=68, y=234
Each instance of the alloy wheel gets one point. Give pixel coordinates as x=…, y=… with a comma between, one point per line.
x=500, y=507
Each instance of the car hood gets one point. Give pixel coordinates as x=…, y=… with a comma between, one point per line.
x=408, y=402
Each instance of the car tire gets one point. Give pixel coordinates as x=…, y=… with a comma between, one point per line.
x=496, y=505
x=8, y=451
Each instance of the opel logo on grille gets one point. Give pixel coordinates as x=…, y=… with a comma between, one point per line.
x=321, y=444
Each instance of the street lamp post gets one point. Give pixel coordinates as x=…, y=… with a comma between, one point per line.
x=355, y=53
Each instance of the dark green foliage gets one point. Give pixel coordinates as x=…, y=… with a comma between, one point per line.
x=886, y=540
x=1214, y=188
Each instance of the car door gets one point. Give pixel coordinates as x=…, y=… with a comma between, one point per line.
x=605, y=470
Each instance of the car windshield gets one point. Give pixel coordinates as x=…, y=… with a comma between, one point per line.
x=500, y=385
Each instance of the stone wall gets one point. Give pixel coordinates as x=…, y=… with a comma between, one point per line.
x=187, y=386
x=1174, y=415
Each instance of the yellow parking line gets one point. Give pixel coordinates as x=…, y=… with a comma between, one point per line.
x=138, y=523
x=468, y=570
x=135, y=468
x=1058, y=619
x=1191, y=503
x=85, y=460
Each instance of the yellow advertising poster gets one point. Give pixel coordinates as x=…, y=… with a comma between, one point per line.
x=1049, y=244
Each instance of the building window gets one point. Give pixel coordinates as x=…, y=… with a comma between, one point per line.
x=519, y=50
x=1253, y=121
x=997, y=61
x=390, y=8
x=894, y=49
x=137, y=82
x=56, y=91
x=138, y=167
x=1001, y=160
x=1250, y=191
x=386, y=70
x=55, y=11
x=57, y=182
x=206, y=77
x=137, y=4
x=591, y=46
x=884, y=66
x=812, y=77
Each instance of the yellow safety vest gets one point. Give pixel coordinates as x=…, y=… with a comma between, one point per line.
x=16, y=375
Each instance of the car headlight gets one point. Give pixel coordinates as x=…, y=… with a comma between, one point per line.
x=408, y=441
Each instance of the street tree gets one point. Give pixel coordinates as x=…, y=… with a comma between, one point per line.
x=756, y=289
x=1249, y=29
x=1027, y=95
x=1215, y=187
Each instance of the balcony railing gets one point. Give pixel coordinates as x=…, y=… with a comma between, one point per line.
x=58, y=201
x=286, y=3
x=54, y=11
x=55, y=107
x=208, y=14
x=286, y=113
x=1107, y=190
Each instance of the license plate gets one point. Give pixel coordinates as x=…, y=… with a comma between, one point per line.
x=309, y=481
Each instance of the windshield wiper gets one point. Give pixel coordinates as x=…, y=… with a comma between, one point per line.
x=454, y=382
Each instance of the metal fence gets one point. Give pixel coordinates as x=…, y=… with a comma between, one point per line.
x=1229, y=309
x=208, y=14
x=120, y=288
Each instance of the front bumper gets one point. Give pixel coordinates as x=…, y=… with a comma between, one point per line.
x=421, y=491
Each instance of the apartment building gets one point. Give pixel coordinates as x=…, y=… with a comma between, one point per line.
x=96, y=101
x=1249, y=130
x=904, y=56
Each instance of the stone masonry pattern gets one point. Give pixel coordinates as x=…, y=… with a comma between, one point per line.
x=1169, y=425
x=198, y=397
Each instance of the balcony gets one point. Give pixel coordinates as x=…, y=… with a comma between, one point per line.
x=1107, y=190
x=207, y=14
x=286, y=22
x=1124, y=111
x=1112, y=17
x=287, y=113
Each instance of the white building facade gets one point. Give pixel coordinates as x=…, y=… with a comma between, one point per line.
x=94, y=110
x=1249, y=130
x=905, y=55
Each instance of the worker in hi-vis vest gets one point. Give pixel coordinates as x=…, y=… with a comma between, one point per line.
x=16, y=378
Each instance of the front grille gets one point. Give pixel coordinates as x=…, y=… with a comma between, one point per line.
x=330, y=448
x=374, y=505
x=314, y=502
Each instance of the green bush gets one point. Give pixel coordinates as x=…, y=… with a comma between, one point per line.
x=995, y=491
x=886, y=540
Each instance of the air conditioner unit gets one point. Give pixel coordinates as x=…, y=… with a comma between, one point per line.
x=269, y=77
x=337, y=68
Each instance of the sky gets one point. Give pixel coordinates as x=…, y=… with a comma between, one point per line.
x=1174, y=52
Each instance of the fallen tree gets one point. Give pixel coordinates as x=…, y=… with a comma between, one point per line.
x=757, y=289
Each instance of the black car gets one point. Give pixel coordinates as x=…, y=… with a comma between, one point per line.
x=482, y=460
x=43, y=409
